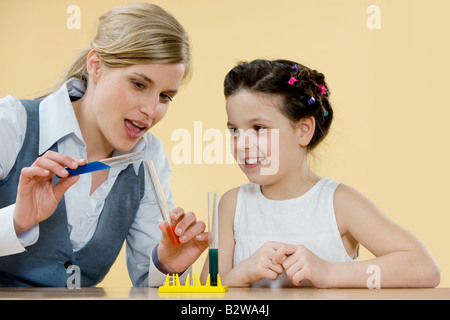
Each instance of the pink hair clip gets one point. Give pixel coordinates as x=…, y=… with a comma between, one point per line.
x=292, y=81
x=323, y=89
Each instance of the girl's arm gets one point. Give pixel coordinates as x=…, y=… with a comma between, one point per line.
x=402, y=260
x=227, y=207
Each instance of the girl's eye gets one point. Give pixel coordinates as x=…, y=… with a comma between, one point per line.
x=233, y=131
x=258, y=128
x=165, y=97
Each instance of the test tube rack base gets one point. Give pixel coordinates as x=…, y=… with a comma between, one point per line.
x=195, y=287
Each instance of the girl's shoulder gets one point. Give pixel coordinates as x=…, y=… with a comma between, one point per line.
x=352, y=207
x=229, y=198
x=347, y=197
x=227, y=208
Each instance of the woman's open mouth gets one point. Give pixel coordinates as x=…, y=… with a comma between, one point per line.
x=134, y=129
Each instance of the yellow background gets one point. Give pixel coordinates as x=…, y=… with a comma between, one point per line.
x=389, y=92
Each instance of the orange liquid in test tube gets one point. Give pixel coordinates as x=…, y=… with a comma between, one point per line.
x=173, y=237
x=162, y=204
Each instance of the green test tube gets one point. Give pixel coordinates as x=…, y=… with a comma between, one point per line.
x=213, y=228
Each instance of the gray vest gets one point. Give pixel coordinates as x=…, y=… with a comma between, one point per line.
x=45, y=263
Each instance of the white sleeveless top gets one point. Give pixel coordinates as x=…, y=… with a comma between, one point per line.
x=308, y=220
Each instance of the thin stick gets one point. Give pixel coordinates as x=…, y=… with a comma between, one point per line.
x=160, y=190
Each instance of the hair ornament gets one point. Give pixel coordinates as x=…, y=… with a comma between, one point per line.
x=323, y=89
x=295, y=68
x=311, y=101
x=292, y=81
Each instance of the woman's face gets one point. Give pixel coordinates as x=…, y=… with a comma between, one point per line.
x=265, y=143
x=128, y=101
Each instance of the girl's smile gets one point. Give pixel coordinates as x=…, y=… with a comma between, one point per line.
x=253, y=162
x=268, y=146
x=255, y=145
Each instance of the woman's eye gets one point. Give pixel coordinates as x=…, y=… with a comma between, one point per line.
x=138, y=85
x=165, y=97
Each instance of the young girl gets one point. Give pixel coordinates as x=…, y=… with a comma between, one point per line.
x=290, y=227
x=115, y=91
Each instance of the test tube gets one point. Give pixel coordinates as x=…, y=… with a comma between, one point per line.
x=213, y=228
x=162, y=203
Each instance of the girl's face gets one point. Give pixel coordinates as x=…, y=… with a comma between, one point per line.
x=264, y=142
x=128, y=101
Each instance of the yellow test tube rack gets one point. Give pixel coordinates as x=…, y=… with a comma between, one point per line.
x=176, y=287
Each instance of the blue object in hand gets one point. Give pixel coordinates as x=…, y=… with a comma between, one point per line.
x=106, y=163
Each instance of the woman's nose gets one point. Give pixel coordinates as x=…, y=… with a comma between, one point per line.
x=150, y=107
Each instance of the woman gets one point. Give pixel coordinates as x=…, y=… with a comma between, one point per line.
x=115, y=91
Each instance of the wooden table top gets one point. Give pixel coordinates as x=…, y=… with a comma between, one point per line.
x=99, y=293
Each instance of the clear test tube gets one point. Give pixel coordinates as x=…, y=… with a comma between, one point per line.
x=213, y=228
x=162, y=203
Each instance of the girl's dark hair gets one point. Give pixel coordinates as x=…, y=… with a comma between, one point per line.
x=273, y=77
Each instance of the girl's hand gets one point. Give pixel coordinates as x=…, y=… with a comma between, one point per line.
x=193, y=242
x=37, y=198
x=260, y=264
x=301, y=264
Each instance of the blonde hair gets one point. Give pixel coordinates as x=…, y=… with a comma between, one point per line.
x=135, y=33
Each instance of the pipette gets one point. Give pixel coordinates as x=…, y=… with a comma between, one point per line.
x=162, y=204
x=106, y=163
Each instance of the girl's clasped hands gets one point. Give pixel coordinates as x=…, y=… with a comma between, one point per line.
x=273, y=258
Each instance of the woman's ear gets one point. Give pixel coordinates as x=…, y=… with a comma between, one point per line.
x=306, y=128
x=94, y=65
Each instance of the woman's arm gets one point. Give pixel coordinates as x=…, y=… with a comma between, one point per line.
x=13, y=125
x=13, y=122
x=37, y=196
x=148, y=238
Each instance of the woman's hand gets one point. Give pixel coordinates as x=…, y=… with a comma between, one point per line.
x=37, y=197
x=193, y=242
x=301, y=264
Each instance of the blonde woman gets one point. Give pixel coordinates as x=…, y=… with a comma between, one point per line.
x=115, y=91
